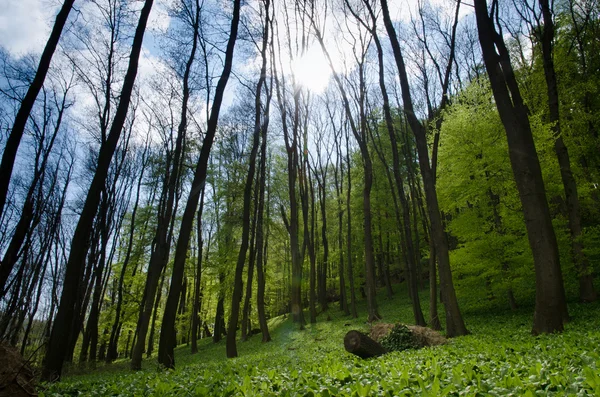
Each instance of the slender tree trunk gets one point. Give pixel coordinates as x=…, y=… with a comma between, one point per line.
x=156, y=305
x=290, y=134
x=587, y=293
x=349, y=232
x=360, y=134
x=160, y=254
x=26, y=221
x=14, y=138
x=114, y=335
x=339, y=186
x=246, y=326
x=307, y=202
x=550, y=304
x=246, y=224
x=219, y=329
x=320, y=175
x=198, y=282
x=57, y=345
x=433, y=297
x=455, y=325
x=410, y=254
x=166, y=348
x=261, y=237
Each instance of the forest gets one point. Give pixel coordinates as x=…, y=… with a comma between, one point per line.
x=202, y=197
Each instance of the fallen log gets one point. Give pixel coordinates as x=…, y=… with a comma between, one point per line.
x=361, y=345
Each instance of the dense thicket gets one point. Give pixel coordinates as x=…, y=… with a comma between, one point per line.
x=446, y=148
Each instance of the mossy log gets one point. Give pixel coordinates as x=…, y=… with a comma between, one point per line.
x=361, y=345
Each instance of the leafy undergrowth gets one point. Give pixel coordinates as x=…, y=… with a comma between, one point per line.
x=499, y=358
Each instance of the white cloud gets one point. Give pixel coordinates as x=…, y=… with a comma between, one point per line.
x=159, y=18
x=403, y=9
x=25, y=25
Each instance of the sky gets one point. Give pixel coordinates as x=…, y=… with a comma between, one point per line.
x=25, y=24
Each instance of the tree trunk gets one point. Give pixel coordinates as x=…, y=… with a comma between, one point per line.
x=57, y=345
x=219, y=329
x=155, y=305
x=361, y=345
x=340, y=213
x=166, y=348
x=14, y=138
x=587, y=293
x=262, y=237
x=246, y=224
x=433, y=312
x=307, y=202
x=349, y=233
x=29, y=218
x=455, y=325
x=360, y=134
x=550, y=305
x=246, y=326
x=323, y=278
x=198, y=282
x=114, y=335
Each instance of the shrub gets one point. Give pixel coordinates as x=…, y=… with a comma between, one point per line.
x=400, y=338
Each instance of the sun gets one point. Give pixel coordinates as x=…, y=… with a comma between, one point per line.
x=312, y=71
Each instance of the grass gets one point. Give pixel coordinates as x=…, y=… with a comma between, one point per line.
x=498, y=358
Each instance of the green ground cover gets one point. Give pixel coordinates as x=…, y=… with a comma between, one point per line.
x=499, y=358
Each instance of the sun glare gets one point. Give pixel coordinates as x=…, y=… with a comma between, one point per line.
x=312, y=70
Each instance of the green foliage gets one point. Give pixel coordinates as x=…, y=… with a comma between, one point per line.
x=499, y=358
x=400, y=338
x=477, y=193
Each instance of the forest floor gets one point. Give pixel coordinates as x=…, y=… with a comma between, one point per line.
x=499, y=358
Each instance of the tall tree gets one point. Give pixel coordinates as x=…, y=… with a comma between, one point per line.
x=190, y=14
x=167, y=336
x=338, y=178
x=586, y=279
x=455, y=325
x=404, y=220
x=117, y=324
x=237, y=286
x=197, y=282
x=57, y=346
x=290, y=123
x=45, y=135
x=16, y=133
x=360, y=133
x=262, y=235
x=550, y=304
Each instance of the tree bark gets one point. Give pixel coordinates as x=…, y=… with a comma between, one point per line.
x=338, y=181
x=198, y=281
x=57, y=345
x=261, y=237
x=550, y=304
x=405, y=223
x=587, y=293
x=362, y=346
x=290, y=135
x=166, y=348
x=360, y=134
x=14, y=138
x=231, y=348
x=455, y=325
x=112, y=352
x=349, y=232
x=245, y=325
